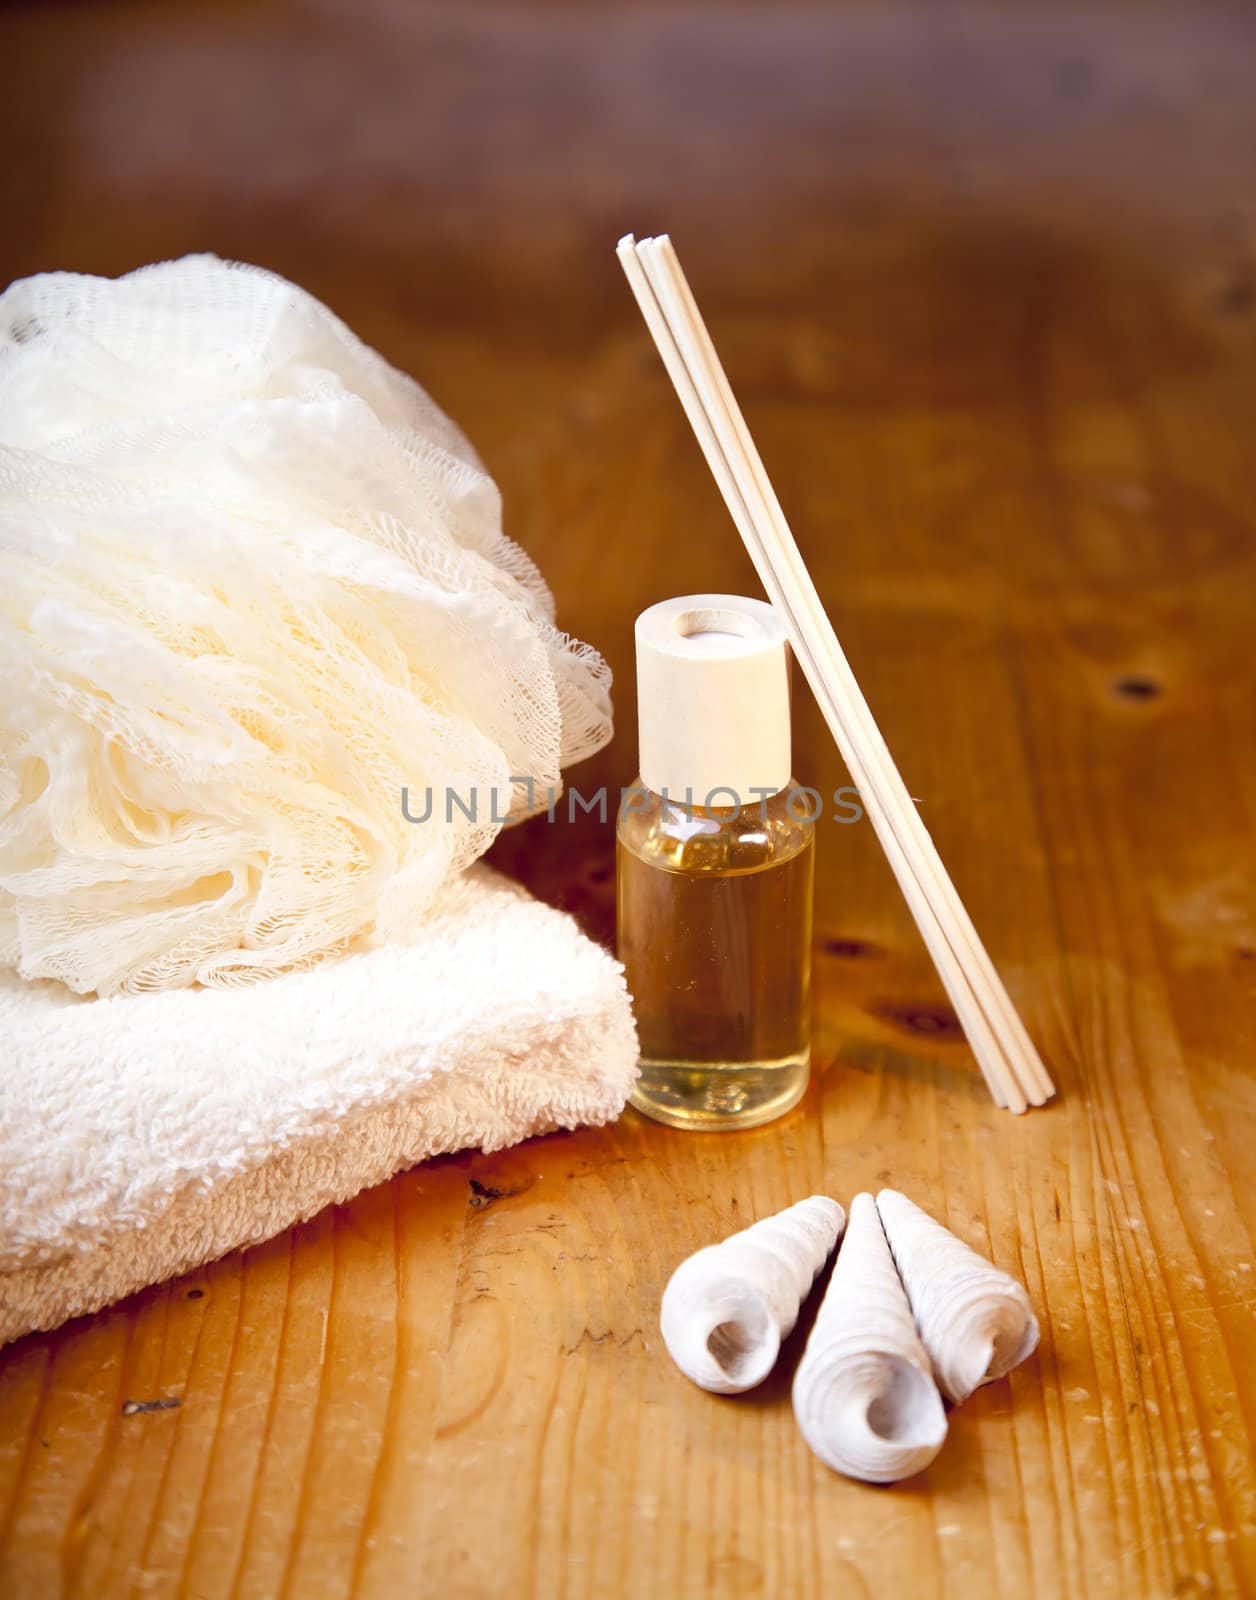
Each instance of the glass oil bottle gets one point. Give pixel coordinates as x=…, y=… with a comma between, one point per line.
x=715, y=862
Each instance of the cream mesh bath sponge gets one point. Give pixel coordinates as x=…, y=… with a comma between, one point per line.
x=254, y=584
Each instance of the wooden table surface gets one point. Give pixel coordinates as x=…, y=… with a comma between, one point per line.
x=985, y=278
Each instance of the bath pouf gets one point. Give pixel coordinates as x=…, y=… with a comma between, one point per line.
x=255, y=585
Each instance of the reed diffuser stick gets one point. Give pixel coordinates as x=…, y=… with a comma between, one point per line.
x=894, y=792
x=1004, y=1051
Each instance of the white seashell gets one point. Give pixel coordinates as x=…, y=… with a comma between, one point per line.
x=975, y=1321
x=726, y=1309
x=864, y=1393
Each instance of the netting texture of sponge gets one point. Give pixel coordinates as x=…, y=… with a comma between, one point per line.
x=254, y=583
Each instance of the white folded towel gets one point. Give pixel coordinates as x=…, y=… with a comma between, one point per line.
x=142, y=1135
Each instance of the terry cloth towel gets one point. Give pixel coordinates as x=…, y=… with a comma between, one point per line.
x=142, y=1135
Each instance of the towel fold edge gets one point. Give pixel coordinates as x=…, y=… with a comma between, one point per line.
x=202, y=1224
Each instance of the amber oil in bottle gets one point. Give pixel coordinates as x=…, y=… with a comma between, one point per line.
x=715, y=863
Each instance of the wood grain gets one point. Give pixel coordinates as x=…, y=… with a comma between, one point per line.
x=993, y=322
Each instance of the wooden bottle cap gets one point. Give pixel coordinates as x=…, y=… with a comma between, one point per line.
x=713, y=699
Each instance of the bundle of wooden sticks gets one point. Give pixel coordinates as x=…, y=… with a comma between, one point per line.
x=1013, y=1070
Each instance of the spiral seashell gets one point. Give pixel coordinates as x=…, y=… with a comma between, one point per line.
x=864, y=1393
x=726, y=1309
x=974, y=1320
